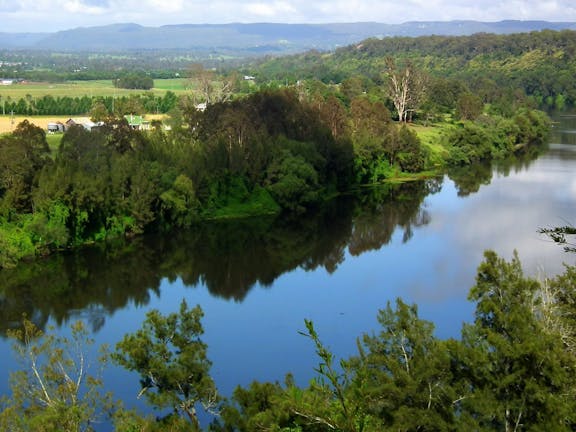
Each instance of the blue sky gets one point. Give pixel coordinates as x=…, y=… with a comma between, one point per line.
x=52, y=15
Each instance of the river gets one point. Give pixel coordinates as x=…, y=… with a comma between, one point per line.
x=258, y=279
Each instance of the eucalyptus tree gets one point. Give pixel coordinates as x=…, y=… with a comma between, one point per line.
x=406, y=87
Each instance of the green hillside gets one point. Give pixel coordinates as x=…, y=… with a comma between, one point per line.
x=540, y=64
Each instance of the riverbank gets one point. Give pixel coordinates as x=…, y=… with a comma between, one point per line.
x=124, y=183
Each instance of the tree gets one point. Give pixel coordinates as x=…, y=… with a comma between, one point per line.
x=518, y=371
x=292, y=181
x=468, y=106
x=171, y=359
x=55, y=391
x=410, y=155
x=407, y=373
x=135, y=80
x=406, y=87
x=179, y=203
x=22, y=155
x=202, y=79
x=98, y=112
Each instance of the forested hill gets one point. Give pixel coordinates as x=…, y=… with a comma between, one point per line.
x=255, y=38
x=542, y=64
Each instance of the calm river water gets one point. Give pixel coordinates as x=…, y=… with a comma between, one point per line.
x=257, y=280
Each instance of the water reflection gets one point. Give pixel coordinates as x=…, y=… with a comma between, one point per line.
x=469, y=179
x=229, y=258
x=564, y=129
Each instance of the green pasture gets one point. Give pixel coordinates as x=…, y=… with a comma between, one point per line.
x=87, y=88
x=54, y=142
x=431, y=138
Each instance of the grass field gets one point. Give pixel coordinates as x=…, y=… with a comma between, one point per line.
x=430, y=136
x=87, y=88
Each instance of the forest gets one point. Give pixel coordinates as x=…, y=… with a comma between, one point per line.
x=270, y=152
x=538, y=65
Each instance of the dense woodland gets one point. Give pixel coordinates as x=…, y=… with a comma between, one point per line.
x=539, y=65
x=345, y=120
x=269, y=152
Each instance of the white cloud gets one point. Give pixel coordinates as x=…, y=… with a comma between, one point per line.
x=275, y=10
x=162, y=6
x=78, y=7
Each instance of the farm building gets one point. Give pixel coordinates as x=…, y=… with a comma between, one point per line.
x=137, y=122
x=56, y=127
x=85, y=122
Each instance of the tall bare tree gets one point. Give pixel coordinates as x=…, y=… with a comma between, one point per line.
x=406, y=87
x=212, y=87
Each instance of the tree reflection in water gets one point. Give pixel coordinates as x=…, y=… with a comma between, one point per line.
x=229, y=258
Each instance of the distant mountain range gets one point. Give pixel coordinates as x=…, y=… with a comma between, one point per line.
x=263, y=38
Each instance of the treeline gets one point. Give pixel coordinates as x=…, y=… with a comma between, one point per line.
x=540, y=65
x=269, y=152
x=83, y=105
x=512, y=368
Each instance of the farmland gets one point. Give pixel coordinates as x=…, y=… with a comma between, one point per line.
x=8, y=123
x=87, y=88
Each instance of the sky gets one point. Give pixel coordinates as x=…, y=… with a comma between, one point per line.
x=54, y=15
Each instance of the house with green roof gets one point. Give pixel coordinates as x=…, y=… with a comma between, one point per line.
x=137, y=122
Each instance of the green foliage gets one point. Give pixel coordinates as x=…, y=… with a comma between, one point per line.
x=171, y=359
x=179, y=202
x=135, y=80
x=49, y=228
x=230, y=197
x=55, y=390
x=407, y=373
x=293, y=182
x=500, y=69
x=22, y=154
x=519, y=371
x=338, y=410
x=495, y=137
x=468, y=106
x=259, y=406
x=411, y=156
x=15, y=244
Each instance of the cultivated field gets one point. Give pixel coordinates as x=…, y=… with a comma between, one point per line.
x=87, y=88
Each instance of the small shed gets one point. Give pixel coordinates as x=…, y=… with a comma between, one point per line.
x=56, y=127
